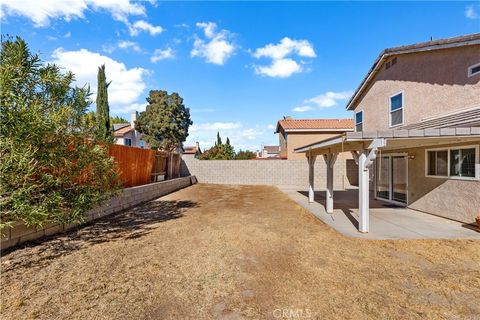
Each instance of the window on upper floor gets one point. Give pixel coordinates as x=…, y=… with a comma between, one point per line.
x=396, y=109
x=359, y=121
x=127, y=142
x=457, y=163
x=474, y=70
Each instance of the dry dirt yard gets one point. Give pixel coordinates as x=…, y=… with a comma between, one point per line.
x=236, y=252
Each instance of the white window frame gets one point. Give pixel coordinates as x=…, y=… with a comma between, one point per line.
x=355, y=118
x=448, y=149
x=470, y=73
x=390, y=109
x=390, y=155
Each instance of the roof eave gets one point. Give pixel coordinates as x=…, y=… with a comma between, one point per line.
x=398, y=51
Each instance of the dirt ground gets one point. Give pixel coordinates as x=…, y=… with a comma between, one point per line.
x=236, y=252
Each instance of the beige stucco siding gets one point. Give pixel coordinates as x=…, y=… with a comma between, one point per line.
x=450, y=198
x=433, y=83
x=283, y=144
x=298, y=139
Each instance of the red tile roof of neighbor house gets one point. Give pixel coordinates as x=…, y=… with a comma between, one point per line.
x=315, y=124
x=190, y=150
x=122, y=131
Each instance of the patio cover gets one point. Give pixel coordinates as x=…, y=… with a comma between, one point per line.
x=364, y=147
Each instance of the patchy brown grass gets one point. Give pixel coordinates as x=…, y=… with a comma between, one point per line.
x=231, y=252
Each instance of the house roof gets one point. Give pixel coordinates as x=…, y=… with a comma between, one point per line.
x=459, y=119
x=117, y=126
x=272, y=149
x=289, y=125
x=466, y=40
x=122, y=131
x=191, y=150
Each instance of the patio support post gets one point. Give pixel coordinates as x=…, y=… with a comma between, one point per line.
x=330, y=162
x=311, y=177
x=363, y=193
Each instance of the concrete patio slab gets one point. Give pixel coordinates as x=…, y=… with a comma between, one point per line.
x=386, y=221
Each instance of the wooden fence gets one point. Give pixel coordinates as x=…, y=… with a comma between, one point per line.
x=142, y=166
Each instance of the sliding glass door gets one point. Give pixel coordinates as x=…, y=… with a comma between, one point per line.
x=391, y=178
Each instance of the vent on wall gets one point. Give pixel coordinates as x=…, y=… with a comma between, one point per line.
x=391, y=63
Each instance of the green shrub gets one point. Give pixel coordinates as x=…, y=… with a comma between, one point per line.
x=51, y=168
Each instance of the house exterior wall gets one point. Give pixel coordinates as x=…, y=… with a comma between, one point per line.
x=282, y=137
x=433, y=82
x=300, y=139
x=135, y=136
x=450, y=198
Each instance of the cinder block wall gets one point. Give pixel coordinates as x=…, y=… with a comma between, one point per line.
x=285, y=173
x=128, y=198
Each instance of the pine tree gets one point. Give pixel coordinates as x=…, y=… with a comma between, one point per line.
x=104, y=132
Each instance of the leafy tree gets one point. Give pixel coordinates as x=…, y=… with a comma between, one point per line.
x=245, y=155
x=165, y=121
x=103, y=110
x=117, y=119
x=50, y=171
x=219, y=151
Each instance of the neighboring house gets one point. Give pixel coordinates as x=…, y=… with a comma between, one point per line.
x=294, y=133
x=125, y=134
x=270, y=152
x=192, y=151
x=417, y=123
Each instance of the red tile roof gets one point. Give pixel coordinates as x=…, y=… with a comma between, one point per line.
x=122, y=131
x=190, y=150
x=315, y=124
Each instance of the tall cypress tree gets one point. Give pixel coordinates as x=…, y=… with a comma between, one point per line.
x=219, y=140
x=104, y=131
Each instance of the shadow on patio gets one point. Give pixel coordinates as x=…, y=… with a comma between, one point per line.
x=387, y=221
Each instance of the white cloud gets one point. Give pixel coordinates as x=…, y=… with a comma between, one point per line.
x=241, y=137
x=287, y=46
x=214, y=126
x=125, y=44
x=302, y=109
x=270, y=126
x=41, y=12
x=127, y=87
x=471, y=12
x=330, y=98
x=142, y=25
x=281, y=66
x=160, y=54
x=216, y=48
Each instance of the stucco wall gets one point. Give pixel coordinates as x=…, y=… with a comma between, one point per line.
x=433, y=82
x=128, y=198
x=290, y=173
x=450, y=198
x=283, y=144
x=299, y=139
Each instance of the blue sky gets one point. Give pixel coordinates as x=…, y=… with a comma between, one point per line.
x=239, y=66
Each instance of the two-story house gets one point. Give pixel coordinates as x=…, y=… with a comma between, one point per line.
x=294, y=133
x=417, y=130
x=125, y=133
